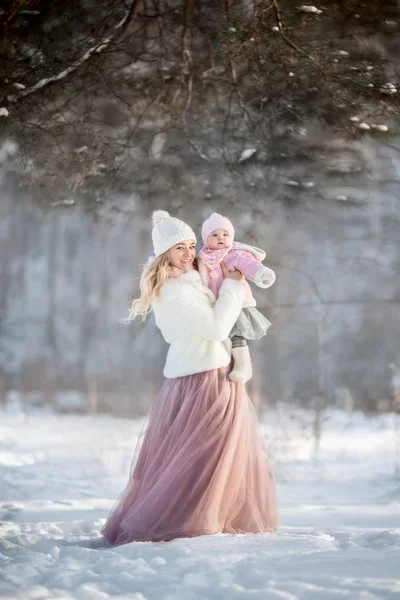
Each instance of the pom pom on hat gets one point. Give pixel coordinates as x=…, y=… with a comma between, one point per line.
x=159, y=215
x=168, y=231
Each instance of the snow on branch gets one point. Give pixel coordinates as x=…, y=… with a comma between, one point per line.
x=310, y=9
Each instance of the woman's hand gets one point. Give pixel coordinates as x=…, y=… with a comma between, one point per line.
x=236, y=274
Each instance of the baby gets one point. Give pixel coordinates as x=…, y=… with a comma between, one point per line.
x=219, y=247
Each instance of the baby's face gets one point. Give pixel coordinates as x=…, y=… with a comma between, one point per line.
x=219, y=239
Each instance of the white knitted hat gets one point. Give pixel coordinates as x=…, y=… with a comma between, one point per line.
x=168, y=231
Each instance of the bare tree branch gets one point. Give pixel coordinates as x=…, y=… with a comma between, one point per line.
x=96, y=49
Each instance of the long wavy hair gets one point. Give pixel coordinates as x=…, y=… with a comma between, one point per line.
x=154, y=274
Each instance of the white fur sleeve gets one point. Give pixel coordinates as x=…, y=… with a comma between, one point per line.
x=212, y=323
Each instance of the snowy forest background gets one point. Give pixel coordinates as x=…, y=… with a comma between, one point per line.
x=284, y=119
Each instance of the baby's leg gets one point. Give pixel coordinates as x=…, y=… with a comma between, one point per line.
x=242, y=368
x=238, y=341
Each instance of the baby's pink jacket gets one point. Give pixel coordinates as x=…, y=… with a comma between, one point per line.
x=248, y=260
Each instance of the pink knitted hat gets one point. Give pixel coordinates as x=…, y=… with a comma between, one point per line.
x=216, y=221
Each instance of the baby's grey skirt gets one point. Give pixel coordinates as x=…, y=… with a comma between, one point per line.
x=251, y=324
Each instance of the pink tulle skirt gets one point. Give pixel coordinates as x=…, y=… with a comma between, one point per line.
x=199, y=468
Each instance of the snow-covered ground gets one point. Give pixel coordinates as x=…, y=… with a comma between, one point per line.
x=340, y=512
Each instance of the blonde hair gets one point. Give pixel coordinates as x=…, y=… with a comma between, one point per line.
x=154, y=274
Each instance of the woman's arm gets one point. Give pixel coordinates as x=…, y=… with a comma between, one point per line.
x=186, y=309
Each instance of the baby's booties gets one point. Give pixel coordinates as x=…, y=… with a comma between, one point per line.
x=242, y=368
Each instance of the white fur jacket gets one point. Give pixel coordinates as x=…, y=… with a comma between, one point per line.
x=195, y=324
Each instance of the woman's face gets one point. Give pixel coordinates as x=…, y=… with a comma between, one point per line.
x=182, y=255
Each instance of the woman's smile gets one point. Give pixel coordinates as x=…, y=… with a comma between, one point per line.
x=186, y=262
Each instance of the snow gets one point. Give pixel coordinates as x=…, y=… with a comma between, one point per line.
x=3, y=112
x=157, y=145
x=310, y=9
x=66, y=202
x=8, y=148
x=246, y=154
x=340, y=512
x=388, y=89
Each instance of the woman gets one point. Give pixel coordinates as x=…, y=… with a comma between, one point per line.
x=201, y=468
